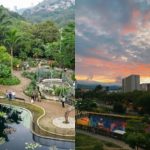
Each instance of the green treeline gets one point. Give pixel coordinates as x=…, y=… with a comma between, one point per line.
x=23, y=39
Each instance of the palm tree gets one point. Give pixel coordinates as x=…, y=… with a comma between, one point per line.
x=12, y=38
x=4, y=22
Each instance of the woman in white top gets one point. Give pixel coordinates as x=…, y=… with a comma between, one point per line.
x=63, y=101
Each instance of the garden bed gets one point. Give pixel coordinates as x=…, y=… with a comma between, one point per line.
x=10, y=81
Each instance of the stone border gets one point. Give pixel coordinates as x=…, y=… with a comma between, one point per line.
x=2, y=97
x=73, y=135
x=39, y=124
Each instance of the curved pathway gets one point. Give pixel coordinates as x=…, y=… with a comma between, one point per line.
x=18, y=89
x=52, y=108
x=108, y=139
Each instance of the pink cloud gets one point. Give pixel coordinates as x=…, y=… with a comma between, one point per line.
x=103, y=70
x=132, y=26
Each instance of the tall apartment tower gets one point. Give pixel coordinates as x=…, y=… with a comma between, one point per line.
x=145, y=86
x=131, y=83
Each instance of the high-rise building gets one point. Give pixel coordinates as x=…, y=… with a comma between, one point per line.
x=145, y=86
x=131, y=83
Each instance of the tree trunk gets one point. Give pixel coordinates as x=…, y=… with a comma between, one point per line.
x=11, y=49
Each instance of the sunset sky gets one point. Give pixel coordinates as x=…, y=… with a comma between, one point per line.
x=112, y=40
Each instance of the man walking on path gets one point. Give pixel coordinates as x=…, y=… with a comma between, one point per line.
x=63, y=101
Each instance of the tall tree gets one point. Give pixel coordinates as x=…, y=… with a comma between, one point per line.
x=12, y=38
x=68, y=46
x=4, y=22
x=46, y=31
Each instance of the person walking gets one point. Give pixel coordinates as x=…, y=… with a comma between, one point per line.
x=10, y=95
x=13, y=95
x=32, y=98
x=63, y=101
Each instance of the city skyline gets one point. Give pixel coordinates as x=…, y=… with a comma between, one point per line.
x=112, y=40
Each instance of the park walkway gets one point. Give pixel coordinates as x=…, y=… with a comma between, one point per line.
x=18, y=89
x=52, y=108
x=107, y=139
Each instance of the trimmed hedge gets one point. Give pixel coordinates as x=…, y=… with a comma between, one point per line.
x=10, y=81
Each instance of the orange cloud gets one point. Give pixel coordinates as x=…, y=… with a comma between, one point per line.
x=146, y=16
x=104, y=79
x=146, y=19
x=108, y=71
x=136, y=14
x=81, y=77
x=132, y=26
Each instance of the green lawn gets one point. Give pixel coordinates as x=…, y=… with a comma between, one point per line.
x=10, y=81
x=85, y=142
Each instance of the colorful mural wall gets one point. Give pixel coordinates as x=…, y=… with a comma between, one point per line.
x=102, y=122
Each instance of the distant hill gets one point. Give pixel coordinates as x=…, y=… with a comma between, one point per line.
x=60, y=11
x=92, y=85
x=10, y=14
x=86, y=86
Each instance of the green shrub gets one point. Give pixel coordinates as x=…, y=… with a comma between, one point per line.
x=29, y=75
x=45, y=73
x=73, y=77
x=2, y=114
x=56, y=74
x=29, y=90
x=98, y=146
x=16, y=62
x=4, y=56
x=61, y=90
x=32, y=62
x=5, y=71
x=54, y=64
x=9, y=81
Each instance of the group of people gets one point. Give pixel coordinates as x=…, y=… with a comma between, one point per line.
x=10, y=95
x=34, y=97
